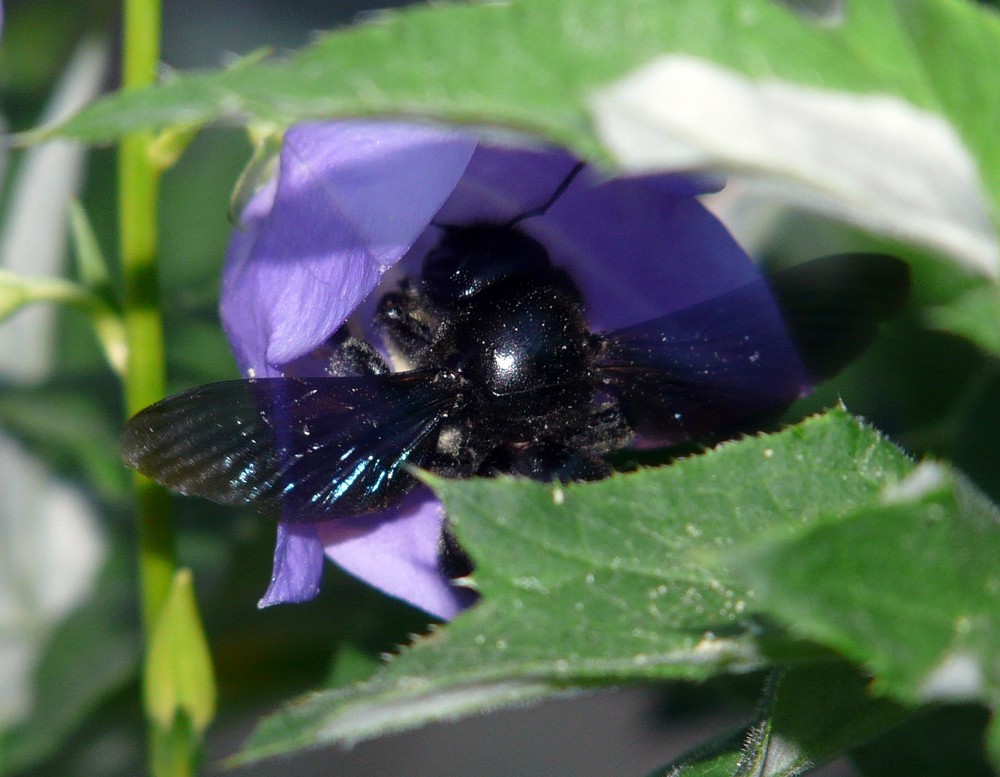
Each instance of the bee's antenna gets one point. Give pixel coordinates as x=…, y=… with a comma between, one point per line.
x=534, y=211
x=555, y=196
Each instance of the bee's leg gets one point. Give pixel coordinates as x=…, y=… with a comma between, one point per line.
x=352, y=356
x=455, y=562
x=546, y=461
x=406, y=324
x=460, y=451
x=578, y=457
x=606, y=431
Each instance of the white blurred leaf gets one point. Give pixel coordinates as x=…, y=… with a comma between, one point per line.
x=870, y=160
x=51, y=547
x=51, y=550
x=33, y=240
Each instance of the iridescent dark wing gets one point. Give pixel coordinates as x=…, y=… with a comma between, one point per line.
x=832, y=306
x=304, y=449
x=739, y=360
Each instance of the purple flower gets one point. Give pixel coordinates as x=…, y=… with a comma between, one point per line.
x=354, y=200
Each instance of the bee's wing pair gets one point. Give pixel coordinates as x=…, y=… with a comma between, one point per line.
x=306, y=449
x=738, y=360
x=311, y=449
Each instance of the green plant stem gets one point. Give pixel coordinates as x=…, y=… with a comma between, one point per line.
x=174, y=748
x=144, y=374
x=138, y=192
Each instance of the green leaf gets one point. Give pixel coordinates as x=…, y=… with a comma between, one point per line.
x=178, y=678
x=91, y=263
x=548, y=68
x=601, y=583
x=93, y=270
x=811, y=715
x=910, y=589
x=974, y=315
x=175, y=750
x=719, y=758
x=545, y=58
x=956, y=44
x=17, y=291
x=815, y=714
x=549, y=54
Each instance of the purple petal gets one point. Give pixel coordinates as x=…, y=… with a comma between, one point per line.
x=397, y=551
x=242, y=316
x=351, y=198
x=501, y=182
x=298, y=565
x=638, y=252
x=639, y=248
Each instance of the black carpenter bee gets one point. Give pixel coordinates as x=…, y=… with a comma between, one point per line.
x=504, y=375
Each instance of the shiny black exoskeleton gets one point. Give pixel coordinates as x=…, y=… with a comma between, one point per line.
x=498, y=371
x=493, y=314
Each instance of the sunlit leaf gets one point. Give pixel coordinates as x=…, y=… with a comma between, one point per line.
x=601, y=583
